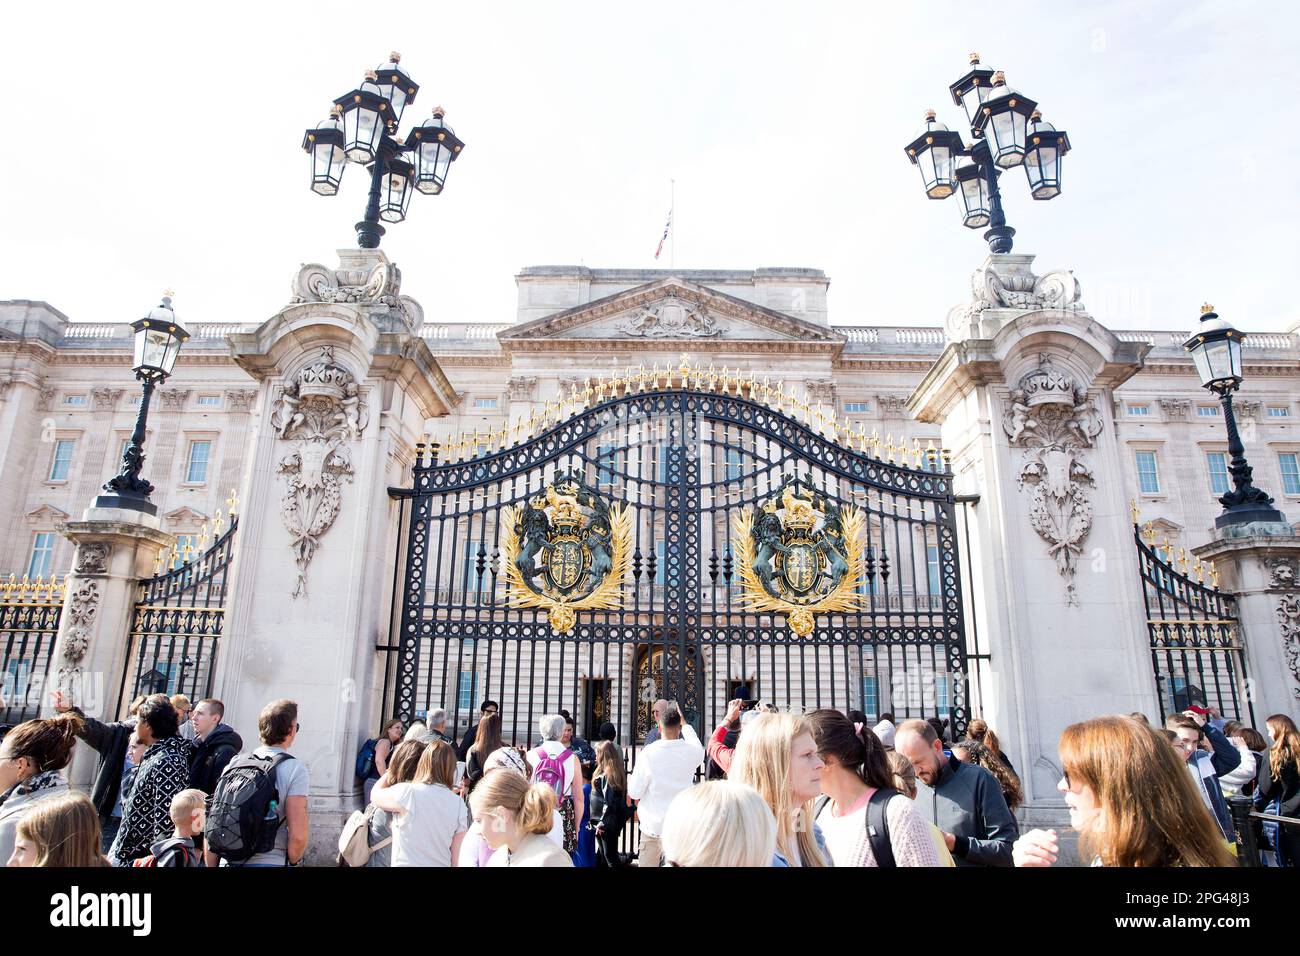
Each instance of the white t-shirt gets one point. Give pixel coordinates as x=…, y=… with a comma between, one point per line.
x=663, y=770
x=909, y=835
x=422, y=835
x=291, y=780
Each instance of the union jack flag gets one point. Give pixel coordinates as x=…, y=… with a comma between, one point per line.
x=667, y=226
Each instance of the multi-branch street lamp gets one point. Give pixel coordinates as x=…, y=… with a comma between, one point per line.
x=1216, y=349
x=362, y=128
x=1006, y=131
x=158, y=340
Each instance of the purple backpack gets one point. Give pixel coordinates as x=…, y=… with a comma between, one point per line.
x=550, y=770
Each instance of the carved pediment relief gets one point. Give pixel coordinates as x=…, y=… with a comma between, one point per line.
x=668, y=310
x=47, y=516
x=184, y=517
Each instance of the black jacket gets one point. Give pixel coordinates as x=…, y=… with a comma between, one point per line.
x=462, y=752
x=110, y=740
x=607, y=807
x=967, y=802
x=211, y=756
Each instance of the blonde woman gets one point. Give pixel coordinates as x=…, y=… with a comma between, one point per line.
x=61, y=831
x=516, y=817
x=777, y=756
x=719, y=823
x=430, y=820
x=609, y=809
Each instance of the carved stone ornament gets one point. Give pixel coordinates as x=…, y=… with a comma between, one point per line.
x=1282, y=574
x=1176, y=409
x=44, y=398
x=82, y=611
x=241, y=399
x=381, y=286
x=1288, y=625
x=320, y=413
x=1011, y=284
x=1052, y=418
x=105, y=399
x=92, y=558
x=892, y=406
x=820, y=390
x=1246, y=409
x=672, y=318
x=522, y=388
x=173, y=398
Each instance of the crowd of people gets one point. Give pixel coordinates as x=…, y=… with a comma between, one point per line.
x=175, y=786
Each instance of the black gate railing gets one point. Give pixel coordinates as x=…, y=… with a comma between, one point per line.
x=178, y=619
x=684, y=460
x=29, y=626
x=1197, y=654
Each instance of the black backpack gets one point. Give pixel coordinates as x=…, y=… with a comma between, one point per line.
x=241, y=822
x=877, y=824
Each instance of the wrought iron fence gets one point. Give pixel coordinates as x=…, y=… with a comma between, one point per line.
x=29, y=626
x=179, y=617
x=1197, y=653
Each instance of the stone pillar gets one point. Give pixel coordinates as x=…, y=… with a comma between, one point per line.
x=1023, y=395
x=346, y=385
x=1260, y=563
x=115, y=548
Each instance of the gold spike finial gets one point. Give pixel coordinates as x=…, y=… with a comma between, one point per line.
x=1133, y=510
x=232, y=503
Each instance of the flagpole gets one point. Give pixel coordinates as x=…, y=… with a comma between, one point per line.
x=672, y=236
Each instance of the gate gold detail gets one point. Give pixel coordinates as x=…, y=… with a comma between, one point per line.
x=800, y=556
x=566, y=550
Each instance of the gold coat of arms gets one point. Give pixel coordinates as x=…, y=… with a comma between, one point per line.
x=566, y=550
x=800, y=555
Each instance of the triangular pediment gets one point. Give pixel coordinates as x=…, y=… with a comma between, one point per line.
x=46, y=515
x=185, y=515
x=670, y=310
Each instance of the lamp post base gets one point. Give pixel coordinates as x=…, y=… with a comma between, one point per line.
x=1249, y=515
x=127, y=502
x=999, y=238
x=368, y=234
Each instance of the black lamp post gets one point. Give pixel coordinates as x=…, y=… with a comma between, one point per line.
x=158, y=340
x=1216, y=350
x=362, y=128
x=1006, y=131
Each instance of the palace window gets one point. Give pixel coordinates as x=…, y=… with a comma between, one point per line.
x=209, y=401
x=851, y=408
x=942, y=693
x=77, y=401
x=42, y=559
x=1207, y=411
x=1279, y=411
x=606, y=465
x=61, y=463
x=196, y=467
x=1134, y=409
x=485, y=403
x=1148, y=477
x=932, y=567
x=1290, y=473
x=735, y=467
x=660, y=562
x=1218, y=464
x=181, y=541
x=870, y=696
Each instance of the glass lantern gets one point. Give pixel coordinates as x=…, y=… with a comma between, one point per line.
x=972, y=90
x=1002, y=121
x=1045, y=145
x=324, y=145
x=437, y=148
x=935, y=152
x=396, y=87
x=1215, y=347
x=158, y=340
x=363, y=111
x=974, y=194
x=395, y=190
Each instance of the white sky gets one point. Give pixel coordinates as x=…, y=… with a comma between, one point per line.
x=152, y=146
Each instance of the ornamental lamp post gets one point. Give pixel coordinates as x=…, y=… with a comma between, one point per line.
x=1216, y=349
x=1006, y=131
x=362, y=129
x=158, y=340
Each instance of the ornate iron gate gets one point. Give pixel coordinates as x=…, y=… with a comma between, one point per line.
x=178, y=619
x=1197, y=655
x=29, y=627
x=671, y=470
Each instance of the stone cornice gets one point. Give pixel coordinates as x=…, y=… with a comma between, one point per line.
x=495, y=360
x=674, y=346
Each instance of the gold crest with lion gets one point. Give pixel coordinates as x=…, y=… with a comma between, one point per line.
x=566, y=550
x=800, y=555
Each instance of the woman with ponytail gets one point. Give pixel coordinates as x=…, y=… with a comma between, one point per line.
x=1278, y=788
x=980, y=732
x=516, y=817
x=856, y=769
x=31, y=758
